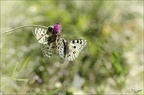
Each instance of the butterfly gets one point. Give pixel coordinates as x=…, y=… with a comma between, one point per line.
x=53, y=43
x=69, y=50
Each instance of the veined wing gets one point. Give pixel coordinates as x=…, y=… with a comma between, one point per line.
x=41, y=35
x=70, y=50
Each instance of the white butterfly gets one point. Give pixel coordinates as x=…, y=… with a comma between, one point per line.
x=70, y=50
x=51, y=43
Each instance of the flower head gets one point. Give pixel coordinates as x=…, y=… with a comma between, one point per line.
x=39, y=81
x=57, y=28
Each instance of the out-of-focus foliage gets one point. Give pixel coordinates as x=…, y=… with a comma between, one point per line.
x=113, y=30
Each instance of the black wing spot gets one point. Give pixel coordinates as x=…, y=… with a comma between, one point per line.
x=74, y=46
x=80, y=42
x=73, y=41
x=77, y=41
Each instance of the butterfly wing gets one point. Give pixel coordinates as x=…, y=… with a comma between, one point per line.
x=47, y=50
x=41, y=35
x=61, y=47
x=74, y=47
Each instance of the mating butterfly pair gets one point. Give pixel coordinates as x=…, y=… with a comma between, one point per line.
x=53, y=43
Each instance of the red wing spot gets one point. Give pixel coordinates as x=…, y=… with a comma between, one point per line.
x=74, y=52
x=41, y=34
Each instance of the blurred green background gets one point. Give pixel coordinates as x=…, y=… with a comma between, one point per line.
x=112, y=62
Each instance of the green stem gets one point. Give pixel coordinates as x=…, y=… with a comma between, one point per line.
x=24, y=27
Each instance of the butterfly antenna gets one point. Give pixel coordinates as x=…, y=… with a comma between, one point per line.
x=10, y=31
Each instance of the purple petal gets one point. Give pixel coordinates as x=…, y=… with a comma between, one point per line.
x=39, y=81
x=57, y=28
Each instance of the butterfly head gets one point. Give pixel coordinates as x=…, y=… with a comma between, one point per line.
x=50, y=28
x=56, y=29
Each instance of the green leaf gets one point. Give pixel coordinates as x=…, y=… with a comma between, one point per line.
x=25, y=63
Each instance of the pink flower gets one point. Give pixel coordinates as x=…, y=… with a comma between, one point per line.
x=57, y=28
